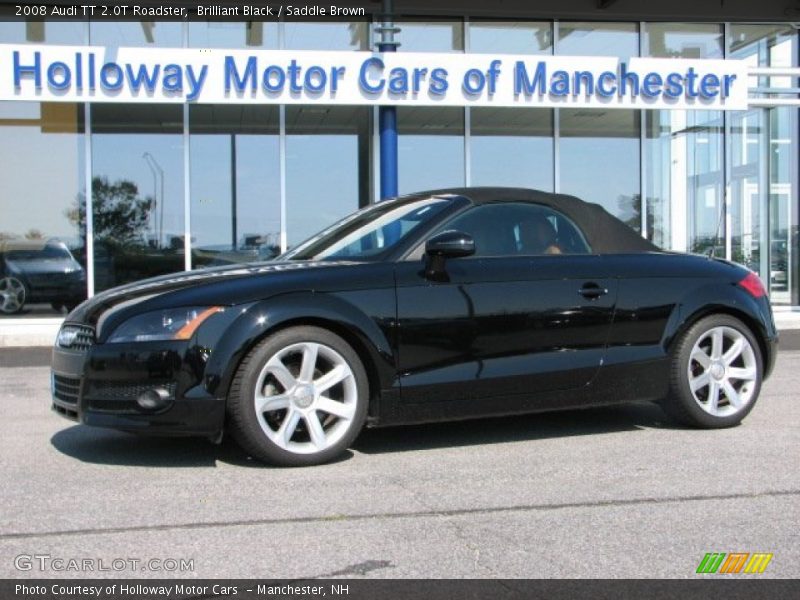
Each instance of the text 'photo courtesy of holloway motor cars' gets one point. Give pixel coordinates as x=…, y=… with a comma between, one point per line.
x=447, y=304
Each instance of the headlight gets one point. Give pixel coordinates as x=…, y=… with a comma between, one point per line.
x=170, y=324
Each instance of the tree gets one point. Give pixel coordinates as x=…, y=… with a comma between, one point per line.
x=34, y=234
x=119, y=213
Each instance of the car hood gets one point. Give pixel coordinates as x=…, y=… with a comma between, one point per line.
x=44, y=266
x=218, y=286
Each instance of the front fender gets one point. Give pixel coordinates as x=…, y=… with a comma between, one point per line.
x=364, y=318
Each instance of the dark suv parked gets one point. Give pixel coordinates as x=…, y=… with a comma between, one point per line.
x=34, y=271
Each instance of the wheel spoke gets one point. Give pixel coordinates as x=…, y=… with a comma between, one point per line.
x=309, y=362
x=315, y=430
x=716, y=344
x=288, y=427
x=731, y=394
x=734, y=351
x=700, y=381
x=337, y=409
x=281, y=373
x=746, y=374
x=270, y=403
x=336, y=375
x=713, y=395
x=700, y=357
x=294, y=390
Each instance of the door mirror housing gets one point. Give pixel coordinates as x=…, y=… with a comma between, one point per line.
x=444, y=245
x=450, y=244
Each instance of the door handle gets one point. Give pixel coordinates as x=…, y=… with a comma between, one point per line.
x=592, y=291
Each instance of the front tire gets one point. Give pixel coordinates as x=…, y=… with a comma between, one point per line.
x=13, y=295
x=716, y=374
x=298, y=398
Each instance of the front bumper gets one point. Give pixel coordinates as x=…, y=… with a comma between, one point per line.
x=99, y=386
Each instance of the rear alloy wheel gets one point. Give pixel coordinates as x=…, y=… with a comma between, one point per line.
x=12, y=295
x=716, y=375
x=299, y=398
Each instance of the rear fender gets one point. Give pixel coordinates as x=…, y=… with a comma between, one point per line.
x=724, y=298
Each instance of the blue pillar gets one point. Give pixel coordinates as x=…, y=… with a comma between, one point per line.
x=387, y=115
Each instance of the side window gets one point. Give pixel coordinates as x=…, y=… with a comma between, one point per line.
x=521, y=229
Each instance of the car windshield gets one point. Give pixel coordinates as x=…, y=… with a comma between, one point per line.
x=369, y=232
x=45, y=253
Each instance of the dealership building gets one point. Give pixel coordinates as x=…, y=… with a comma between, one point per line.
x=148, y=147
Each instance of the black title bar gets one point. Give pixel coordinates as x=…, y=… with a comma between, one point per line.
x=181, y=10
x=703, y=588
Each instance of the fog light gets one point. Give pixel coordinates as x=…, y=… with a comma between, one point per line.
x=154, y=399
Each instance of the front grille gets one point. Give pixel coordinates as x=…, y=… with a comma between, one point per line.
x=120, y=396
x=66, y=412
x=66, y=389
x=122, y=390
x=75, y=337
x=54, y=280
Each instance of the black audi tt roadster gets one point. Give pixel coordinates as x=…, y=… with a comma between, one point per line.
x=449, y=304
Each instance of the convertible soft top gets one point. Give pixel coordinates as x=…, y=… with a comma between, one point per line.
x=606, y=234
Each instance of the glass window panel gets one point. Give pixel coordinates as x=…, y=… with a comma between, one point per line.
x=759, y=40
x=166, y=34
x=430, y=148
x=325, y=36
x=683, y=40
x=598, y=39
x=236, y=213
x=511, y=37
x=233, y=34
x=764, y=46
x=434, y=36
x=658, y=165
x=138, y=194
x=599, y=160
x=763, y=178
x=684, y=164
x=43, y=32
x=512, y=147
x=42, y=230
x=327, y=165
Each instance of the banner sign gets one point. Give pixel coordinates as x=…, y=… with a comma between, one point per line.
x=166, y=75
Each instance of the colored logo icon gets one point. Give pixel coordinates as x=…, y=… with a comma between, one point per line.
x=734, y=563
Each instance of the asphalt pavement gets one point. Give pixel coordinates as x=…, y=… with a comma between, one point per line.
x=604, y=492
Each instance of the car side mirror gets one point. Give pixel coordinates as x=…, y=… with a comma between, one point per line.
x=450, y=244
x=444, y=245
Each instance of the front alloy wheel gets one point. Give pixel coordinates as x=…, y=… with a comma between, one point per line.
x=716, y=373
x=299, y=398
x=12, y=295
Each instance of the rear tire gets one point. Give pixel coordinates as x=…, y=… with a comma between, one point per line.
x=298, y=398
x=716, y=374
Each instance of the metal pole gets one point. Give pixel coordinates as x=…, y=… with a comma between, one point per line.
x=89, y=206
x=387, y=115
x=153, y=214
x=159, y=203
x=234, y=200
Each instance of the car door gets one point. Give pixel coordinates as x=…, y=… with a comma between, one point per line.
x=507, y=321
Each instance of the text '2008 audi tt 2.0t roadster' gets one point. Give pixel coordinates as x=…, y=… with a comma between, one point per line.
x=451, y=304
